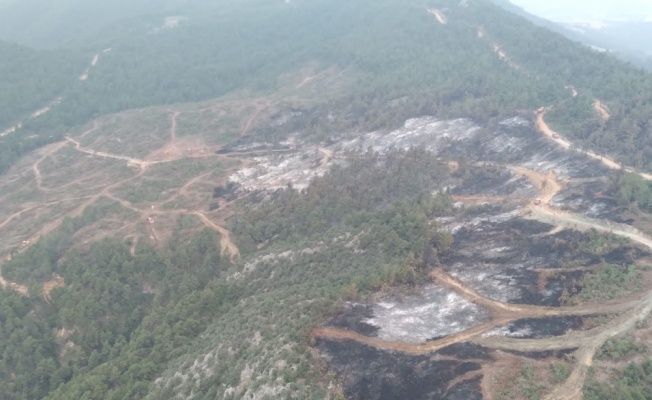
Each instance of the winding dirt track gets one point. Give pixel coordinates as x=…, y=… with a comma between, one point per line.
x=543, y=127
x=228, y=247
x=173, y=127
x=439, y=15
x=523, y=310
x=602, y=110
x=133, y=161
x=328, y=156
x=35, y=168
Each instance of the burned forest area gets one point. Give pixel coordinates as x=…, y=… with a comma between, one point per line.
x=330, y=200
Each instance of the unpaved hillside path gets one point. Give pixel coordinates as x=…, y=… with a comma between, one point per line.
x=328, y=156
x=130, y=160
x=439, y=15
x=523, y=310
x=305, y=81
x=35, y=167
x=86, y=73
x=602, y=110
x=543, y=127
x=502, y=314
x=173, y=127
x=49, y=286
x=498, y=49
x=547, y=184
x=228, y=247
x=20, y=289
x=35, y=114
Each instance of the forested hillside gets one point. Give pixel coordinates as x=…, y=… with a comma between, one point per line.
x=393, y=50
x=124, y=286
x=154, y=305
x=31, y=79
x=58, y=23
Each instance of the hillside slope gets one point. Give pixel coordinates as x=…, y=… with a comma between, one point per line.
x=392, y=50
x=155, y=247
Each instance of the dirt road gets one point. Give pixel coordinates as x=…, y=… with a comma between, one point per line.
x=305, y=81
x=328, y=156
x=410, y=348
x=49, y=151
x=49, y=286
x=228, y=247
x=498, y=49
x=173, y=127
x=35, y=114
x=547, y=184
x=86, y=73
x=502, y=314
x=439, y=15
x=21, y=289
x=601, y=109
x=543, y=127
x=133, y=161
x=517, y=311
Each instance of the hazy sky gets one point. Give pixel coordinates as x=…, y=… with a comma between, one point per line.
x=588, y=9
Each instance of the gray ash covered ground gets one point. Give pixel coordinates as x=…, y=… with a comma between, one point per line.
x=594, y=199
x=501, y=259
x=353, y=318
x=371, y=374
x=496, y=252
x=533, y=328
x=491, y=181
x=432, y=313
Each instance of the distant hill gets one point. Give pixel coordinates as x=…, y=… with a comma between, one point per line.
x=628, y=40
x=57, y=23
x=482, y=62
x=29, y=79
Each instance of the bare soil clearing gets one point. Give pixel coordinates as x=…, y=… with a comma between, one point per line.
x=328, y=156
x=35, y=114
x=498, y=49
x=601, y=109
x=439, y=15
x=86, y=73
x=49, y=286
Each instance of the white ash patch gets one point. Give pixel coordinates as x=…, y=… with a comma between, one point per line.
x=271, y=259
x=541, y=163
x=505, y=144
x=490, y=281
x=202, y=368
x=453, y=224
x=285, y=118
x=430, y=132
x=515, y=122
x=597, y=209
x=435, y=312
x=279, y=171
x=173, y=21
x=510, y=332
